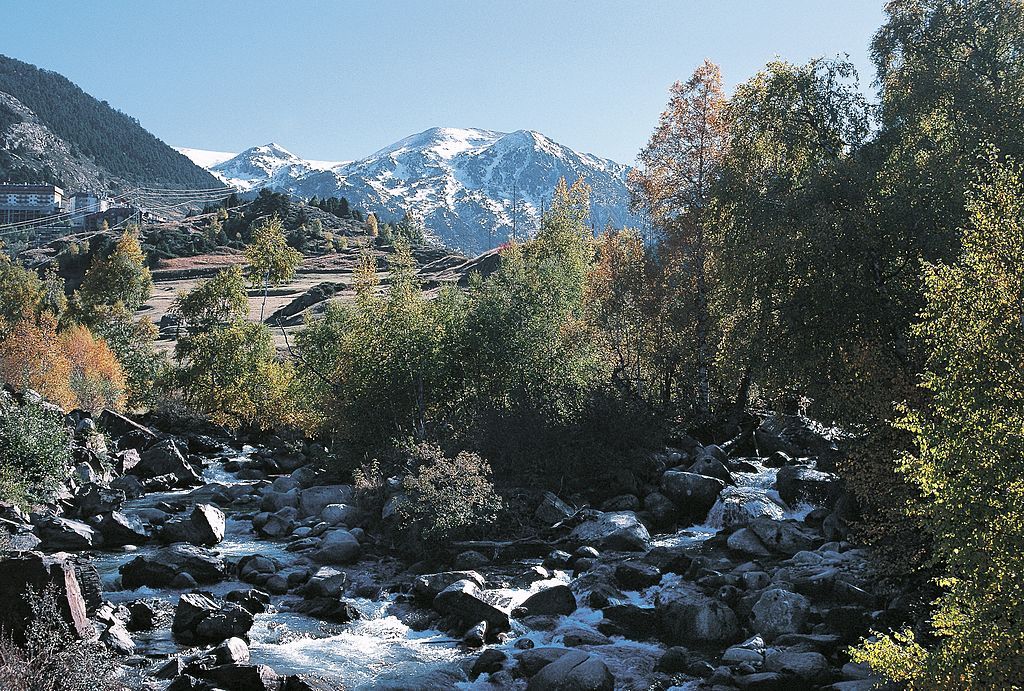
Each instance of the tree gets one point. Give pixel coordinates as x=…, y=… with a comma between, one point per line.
x=371, y=224
x=271, y=261
x=679, y=167
x=970, y=451
x=121, y=277
x=215, y=302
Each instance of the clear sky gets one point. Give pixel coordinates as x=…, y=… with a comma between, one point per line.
x=339, y=80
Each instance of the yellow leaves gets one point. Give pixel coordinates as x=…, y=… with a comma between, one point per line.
x=897, y=657
x=73, y=368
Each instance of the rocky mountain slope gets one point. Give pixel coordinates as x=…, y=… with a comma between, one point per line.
x=466, y=184
x=51, y=130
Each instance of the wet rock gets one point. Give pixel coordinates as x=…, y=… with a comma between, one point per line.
x=488, y=662
x=165, y=458
x=476, y=636
x=779, y=612
x=255, y=601
x=338, y=547
x=161, y=567
x=462, y=601
x=637, y=623
x=637, y=575
x=141, y=616
x=764, y=681
x=65, y=534
x=552, y=510
x=786, y=537
x=428, y=586
x=130, y=485
x=808, y=667
x=275, y=501
x=256, y=568
x=619, y=530
x=119, y=529
x=327, y=582
x=20, y=571
x=574, y=671
x=117, y=638
x=307, y=682
x=338, y=514
x=738, y=507
x=245, y=678
x=200, y=618
x=470, y=559
x=127, y=432
x=712, y=467
x=660, y=508
x=279, y=524
x=746, y=541
x=93, y=499
x=533, y=660
x=313, y=500
x=693, y=494
x=558, y=599
x=677, y=660
x=686, y=615
x=557, y=559
x=203, y=526
x=184, y=581
x=579, y=636
x=670, y=559
x=797, y=483
x=622, y=502
x=328, y=609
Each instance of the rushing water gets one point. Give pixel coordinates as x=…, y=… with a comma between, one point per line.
x=379, y=650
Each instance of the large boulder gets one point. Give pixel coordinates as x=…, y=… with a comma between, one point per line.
x=693, y=494
x=65, y=534
x=127, y=432
x=93, y=499
x=797, y=483
x=241, y=677
x=159, y=568
x=199, y=618
x=313, y=500
x=786, y=537
x=712, y=467
x=737, y=507
x=557, y=599
x=573, y=671
x=617, y=530
x=793, y=435
x=808, y=667
x=687, y=615
x=427, y=586
x=779, y=612
x=462, y=601
x=338, y=547
x=746, y=541
x=165, y=458
x=203, y=526
x=21, y=571
x=119, y=529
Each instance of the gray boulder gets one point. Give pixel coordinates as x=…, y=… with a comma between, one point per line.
x=427, y=586
x=779, y=612
x=66, y=535
x=557, y=599
x=737, y=507
x=617, y=530
x=786, y=537
x=313, y=500
x=809, y=667
x=573, y=671
x=693, y=494
x=746, y=541
x=21, y=571
x=160, y=568
x=552, y=510
x=200, y=618
x=338, y=547
x=203, y=526
x=462, y=600
x=119, y=529
x=797, y=483
x=687, y=615
x=165, y=458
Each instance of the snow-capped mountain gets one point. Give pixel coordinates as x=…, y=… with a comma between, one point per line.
x=464, y=183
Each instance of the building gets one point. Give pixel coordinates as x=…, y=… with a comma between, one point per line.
x=29, y=202
x=84, y=203
x=114, y=216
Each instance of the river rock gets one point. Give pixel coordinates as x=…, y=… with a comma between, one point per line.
x=199, y=618
x=313, y=500
x=618, y=530
x=488, y=662
x=689, y=616
x=462, y=600
x=779, y=612
x=66, y=534
x=239, y=677
x=533, y=660
x=20, y=571
x=557, y=599
x=203, y=526
x=797, y=483
x=337, y=547
x=573, y=671
x=94, y=499
x=578, y=636
x=637, y=575
x=712, y=467
x=693, y=494
x=810, y=668
x=786, y=537
x=275, y=501
x=328, y=609
x=165, y=458
x=338, y=514
x=552, y=510
x=127, y=432
x=427, y=586
x=130, y=485
x=327, y=581
x=738, y=507
x=160, y=568
x=256, y=568
x=119, y=529
x=746, y=541
x=117, y=638
x=660, y=508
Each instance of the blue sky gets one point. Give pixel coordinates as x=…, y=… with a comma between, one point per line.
x=339, y=80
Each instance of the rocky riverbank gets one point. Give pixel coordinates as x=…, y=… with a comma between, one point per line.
x=206, y=563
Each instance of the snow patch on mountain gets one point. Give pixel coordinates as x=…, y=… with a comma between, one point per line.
x=473, y=188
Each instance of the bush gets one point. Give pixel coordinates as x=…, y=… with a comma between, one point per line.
x=35, y=453
x=445, y=498
x=52, y=659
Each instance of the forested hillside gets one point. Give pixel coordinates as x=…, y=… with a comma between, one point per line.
x=115, y=142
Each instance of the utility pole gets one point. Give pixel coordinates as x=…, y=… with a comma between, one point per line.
x=514, y=206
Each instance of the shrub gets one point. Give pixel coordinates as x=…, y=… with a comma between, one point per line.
x=445, y=498
x=35, y=453
x=53, y=659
